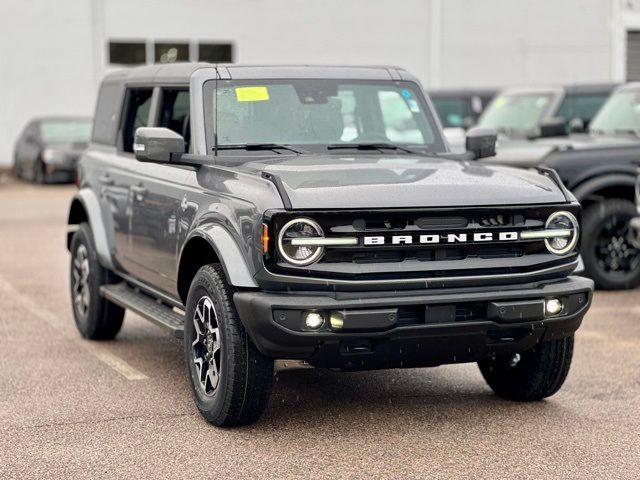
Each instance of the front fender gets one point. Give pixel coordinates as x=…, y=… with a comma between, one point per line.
x=85, y=206
x=229, y=254
x=595, y=184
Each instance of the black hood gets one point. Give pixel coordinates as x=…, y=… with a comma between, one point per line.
x=529, y=153
x=395, y=181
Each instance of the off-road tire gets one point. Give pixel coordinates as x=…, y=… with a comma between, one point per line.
x=534, y=375
x=593, y=219
x=246, y=376
x=102, y=319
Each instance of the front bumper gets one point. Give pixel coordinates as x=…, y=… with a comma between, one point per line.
x=422, y=328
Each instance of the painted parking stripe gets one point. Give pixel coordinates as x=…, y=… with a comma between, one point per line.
x=98, y=351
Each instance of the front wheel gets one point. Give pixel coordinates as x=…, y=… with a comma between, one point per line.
x=230, y=378
x=531, y=375
x=609, y=250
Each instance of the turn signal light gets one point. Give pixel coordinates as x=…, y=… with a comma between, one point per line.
x=265, y=238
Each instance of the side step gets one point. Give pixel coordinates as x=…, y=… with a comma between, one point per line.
x=145, y=306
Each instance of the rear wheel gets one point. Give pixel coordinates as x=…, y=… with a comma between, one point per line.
x=96, y=317
x=531, y=375
x=609, y=251
x=230, y=378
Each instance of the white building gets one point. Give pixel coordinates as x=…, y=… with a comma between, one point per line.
x=56, y=51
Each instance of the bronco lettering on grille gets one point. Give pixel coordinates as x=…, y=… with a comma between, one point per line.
x=441, y=238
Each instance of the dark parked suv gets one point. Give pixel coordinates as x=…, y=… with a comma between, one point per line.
x=314, y=213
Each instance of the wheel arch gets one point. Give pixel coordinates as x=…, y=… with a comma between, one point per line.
x=85, y=207
x=615, y=185
x=212, y=244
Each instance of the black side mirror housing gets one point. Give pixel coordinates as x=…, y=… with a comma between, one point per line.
x=552, y=127
x=158, y=145
x=481, y=142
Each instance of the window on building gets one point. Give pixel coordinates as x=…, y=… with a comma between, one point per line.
x=127, y=53
x=171, y=52
x=215, y=52
x=633, y=55
x=137, y=105
x=174, y=113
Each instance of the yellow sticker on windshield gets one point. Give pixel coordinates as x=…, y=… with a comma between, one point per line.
x=499, y=102
x=252, y=94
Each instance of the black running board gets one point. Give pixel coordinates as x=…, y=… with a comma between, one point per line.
x=145, y=306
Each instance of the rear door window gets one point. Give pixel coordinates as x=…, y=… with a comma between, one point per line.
x=582, y=106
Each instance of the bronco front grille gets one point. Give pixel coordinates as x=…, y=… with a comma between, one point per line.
x=384, y=258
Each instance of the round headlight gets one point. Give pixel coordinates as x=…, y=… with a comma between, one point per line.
x=562, y=245
x=300, y=255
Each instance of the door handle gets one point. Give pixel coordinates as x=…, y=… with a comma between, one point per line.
x=139, y=191
x=106, y=180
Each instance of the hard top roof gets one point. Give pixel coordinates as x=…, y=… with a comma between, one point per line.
x=462, y=92
x=181, y=72
x=556, y=89
x=629, y=87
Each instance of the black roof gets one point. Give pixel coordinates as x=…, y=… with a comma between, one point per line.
x=462, y=92
x=181, y=72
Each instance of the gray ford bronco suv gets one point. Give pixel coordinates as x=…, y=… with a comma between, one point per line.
x=316, y=214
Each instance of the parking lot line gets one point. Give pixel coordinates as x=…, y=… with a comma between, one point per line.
x=34, y=308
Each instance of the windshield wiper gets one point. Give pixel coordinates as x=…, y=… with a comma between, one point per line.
x=260, y=146
x=371, y=146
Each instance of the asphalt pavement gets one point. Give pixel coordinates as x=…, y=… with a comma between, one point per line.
x=70, y=408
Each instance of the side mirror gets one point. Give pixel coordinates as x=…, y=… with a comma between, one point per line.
x=552, y=127
x=576, y=125
x=158, y=145
x=481, y=142
x=468, y=122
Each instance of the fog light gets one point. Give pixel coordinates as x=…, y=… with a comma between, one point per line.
x=553, y=306
x=336, y=319
x=313, y=320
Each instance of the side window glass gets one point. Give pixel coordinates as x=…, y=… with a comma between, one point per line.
x=136, y=115
x=174, y=113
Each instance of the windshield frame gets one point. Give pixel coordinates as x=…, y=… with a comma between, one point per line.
x=209, y=97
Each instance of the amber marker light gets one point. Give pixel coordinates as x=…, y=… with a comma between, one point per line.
x=265, y=238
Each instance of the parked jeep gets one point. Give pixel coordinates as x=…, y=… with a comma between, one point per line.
x=315, y=214
x=600, y=169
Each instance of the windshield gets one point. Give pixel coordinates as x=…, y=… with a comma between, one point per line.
x=518, y=112
x=65, y=131
x=620, y=113
x=318, y=114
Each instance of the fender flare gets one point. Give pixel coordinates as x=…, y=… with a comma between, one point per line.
x=91, y=205
x=226, y=249
x=594, y=184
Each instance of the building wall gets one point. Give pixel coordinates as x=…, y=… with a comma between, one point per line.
x=45, y=64
x=506, y=42
x=54, y=51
